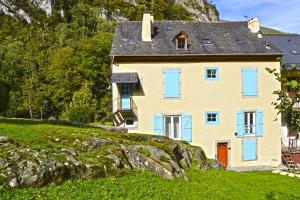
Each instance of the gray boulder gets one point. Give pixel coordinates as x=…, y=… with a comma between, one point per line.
x=4, y=139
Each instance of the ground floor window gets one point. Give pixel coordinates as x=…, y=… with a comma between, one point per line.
x=172, y=126
x=249, y=149
x=129, y=123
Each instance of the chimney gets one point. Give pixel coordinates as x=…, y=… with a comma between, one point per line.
x=147, y=26
x=253, y=25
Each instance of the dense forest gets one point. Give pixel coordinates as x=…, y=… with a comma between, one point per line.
x=59, y=64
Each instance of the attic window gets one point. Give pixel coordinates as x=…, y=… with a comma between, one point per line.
x=207, y=41
x=267, y=45
x=169, y=28
x=295, y=52
x=181, y=41
x=239, y=41
x=131, y=40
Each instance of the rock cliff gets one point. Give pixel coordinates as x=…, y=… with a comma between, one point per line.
x=87, y=154
x=28, y=10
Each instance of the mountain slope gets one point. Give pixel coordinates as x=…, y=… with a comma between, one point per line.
x=36, y=10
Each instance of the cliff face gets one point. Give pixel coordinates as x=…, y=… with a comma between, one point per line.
x=28, y=10
x=200, y=9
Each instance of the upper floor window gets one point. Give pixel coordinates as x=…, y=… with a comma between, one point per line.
x=211, y=74
x=249, y=82
x=181, y=41
x=171, y=83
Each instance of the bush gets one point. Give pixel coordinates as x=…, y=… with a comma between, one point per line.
x=83, y=114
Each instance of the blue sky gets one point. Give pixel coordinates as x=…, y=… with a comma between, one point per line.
x=279, y=14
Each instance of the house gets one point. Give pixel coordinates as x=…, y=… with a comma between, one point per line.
x=202, y=82
x=289, y=44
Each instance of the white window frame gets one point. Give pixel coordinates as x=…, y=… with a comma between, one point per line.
x=172, y=127
x=249, y=129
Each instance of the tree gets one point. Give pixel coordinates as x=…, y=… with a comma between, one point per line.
x=287, y=98
x=4, y=96
x=83, y=106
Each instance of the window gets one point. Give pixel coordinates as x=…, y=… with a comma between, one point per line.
x=249, y=120
x=212, y=118
x=249, y=123
x=294, y=52
x=239, y=41
x=249, y=149
x=171, y=83
x=207, y=41
x=249, y=82
x=211, y=74
x=129, y=123
x=181, y=43
x=131, y=40
x=173, y=127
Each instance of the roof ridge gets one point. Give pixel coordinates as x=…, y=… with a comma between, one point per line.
x=182, y=21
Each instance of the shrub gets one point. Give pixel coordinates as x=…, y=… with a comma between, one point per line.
x=83, y=114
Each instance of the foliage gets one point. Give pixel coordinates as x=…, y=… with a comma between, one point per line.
x=287, y=97
x=46, y=61
x=83, y=106
x=45, y=65
x=4, y=95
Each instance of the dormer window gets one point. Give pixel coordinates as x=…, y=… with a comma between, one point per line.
x=181, y=41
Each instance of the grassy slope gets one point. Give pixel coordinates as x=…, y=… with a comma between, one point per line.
x=143, y=185
x=270, y=31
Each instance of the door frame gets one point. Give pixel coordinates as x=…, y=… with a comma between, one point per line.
x=172, y=123
x=228, y=151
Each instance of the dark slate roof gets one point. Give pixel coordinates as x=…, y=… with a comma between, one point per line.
x=228, y=38
x=287, y=44
x=125, y=77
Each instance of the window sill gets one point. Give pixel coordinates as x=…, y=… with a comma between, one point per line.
x=250, y=135
x=172, y=98
x=249, y=160
x=213, y=79
x=211, y=124
x=249, y=96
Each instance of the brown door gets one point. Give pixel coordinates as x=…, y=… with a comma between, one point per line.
x=222, y=154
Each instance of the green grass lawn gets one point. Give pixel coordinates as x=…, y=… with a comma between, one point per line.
x=136, y=184
x=144, y=185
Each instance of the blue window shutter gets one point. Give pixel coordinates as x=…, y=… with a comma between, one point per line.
x=158, y=125
x=249, y=79
x=218, y=74
x=171, y=83
x=240, y=124
x=186, y=126
x=249, y=149
x=259, y=123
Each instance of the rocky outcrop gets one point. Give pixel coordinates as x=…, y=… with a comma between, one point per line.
x=200, y=9
x=22, y=166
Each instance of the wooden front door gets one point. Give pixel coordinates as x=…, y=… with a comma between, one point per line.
x=222, y=153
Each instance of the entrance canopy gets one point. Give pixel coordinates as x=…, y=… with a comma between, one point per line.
x=125, y=77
